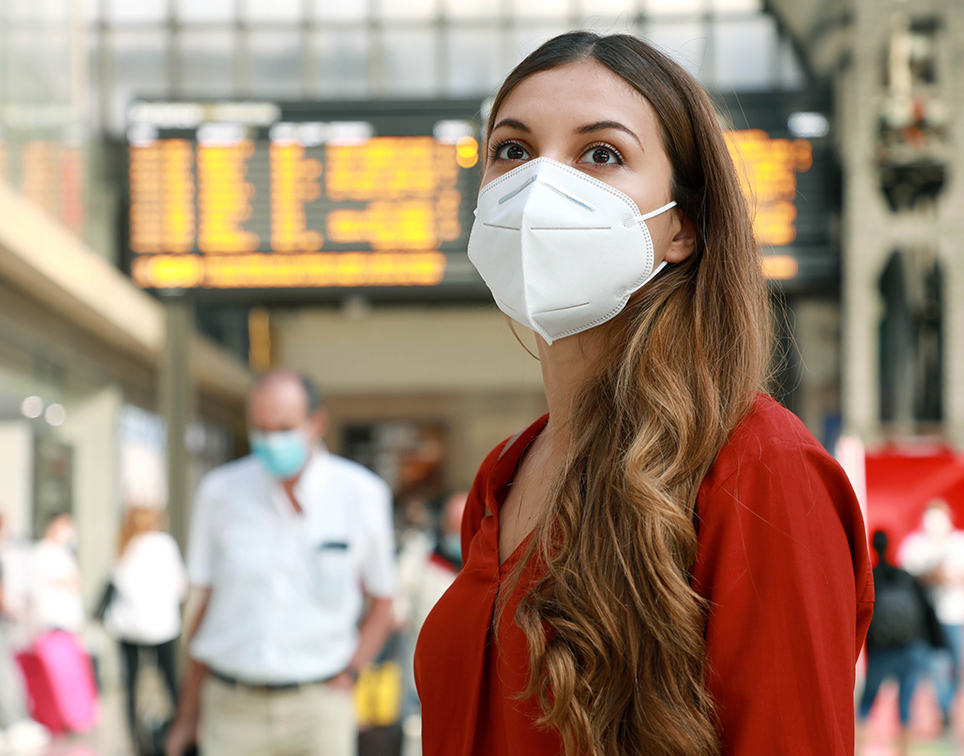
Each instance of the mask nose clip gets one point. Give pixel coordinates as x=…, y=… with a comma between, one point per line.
x=568, y=195
x=518, y=189
x=549, y=185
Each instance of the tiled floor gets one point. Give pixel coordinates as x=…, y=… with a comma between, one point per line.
x=927, y=737
x=111, y=742
x=941, y=747
x=110, y=738
x=100, y=745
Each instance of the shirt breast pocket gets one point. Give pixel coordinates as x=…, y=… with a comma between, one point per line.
x=333, y=572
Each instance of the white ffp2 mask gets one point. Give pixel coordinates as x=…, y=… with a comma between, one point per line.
x=560, y=251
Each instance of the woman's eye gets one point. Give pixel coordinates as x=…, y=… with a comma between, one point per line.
x=601, y=156
x=511, y=151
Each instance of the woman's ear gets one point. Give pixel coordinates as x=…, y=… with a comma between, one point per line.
x=683, y=243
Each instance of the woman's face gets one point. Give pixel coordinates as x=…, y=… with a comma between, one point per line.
x=587, y=117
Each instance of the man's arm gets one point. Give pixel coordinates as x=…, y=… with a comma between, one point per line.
x=372, y=634
x=380, y=583
x=184, y=729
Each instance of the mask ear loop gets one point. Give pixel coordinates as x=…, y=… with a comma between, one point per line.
x=657, y=211
x=519, y=339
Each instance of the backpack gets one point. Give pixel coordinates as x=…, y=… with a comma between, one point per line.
x=899, y=614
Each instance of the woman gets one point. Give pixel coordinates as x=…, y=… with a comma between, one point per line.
x=667, y=563
x=145, y=614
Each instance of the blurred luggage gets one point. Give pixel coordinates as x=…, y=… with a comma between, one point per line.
x=60, y=683
x=378, y=695
x=378, y=703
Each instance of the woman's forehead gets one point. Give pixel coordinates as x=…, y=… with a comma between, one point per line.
x=581, y=91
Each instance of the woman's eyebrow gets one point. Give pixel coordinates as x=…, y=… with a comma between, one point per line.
x=603, y=125
x=513, y=123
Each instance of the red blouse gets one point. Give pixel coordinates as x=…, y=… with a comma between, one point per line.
x=782, y=560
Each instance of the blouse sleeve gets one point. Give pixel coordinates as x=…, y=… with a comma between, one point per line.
x=783, y=564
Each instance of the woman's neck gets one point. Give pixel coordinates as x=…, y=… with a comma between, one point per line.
x=566, y=366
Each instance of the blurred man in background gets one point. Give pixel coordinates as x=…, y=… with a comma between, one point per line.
x=902, y=632
x=935, y=555
x=427, y=567
x=285, y=546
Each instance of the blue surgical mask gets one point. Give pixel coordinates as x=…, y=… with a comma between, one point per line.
x=283, y=453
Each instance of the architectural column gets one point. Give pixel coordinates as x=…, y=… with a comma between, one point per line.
x=91, y=429
x=911, y=122
x=864, y=219
x=952, y=230
x=177, y=404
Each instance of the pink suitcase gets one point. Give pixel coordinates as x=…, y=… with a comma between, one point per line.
x=60, y=683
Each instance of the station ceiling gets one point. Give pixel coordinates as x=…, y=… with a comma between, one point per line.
x=819, y=30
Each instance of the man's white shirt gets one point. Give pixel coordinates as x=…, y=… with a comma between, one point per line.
x=286, y=588
x=921, y=553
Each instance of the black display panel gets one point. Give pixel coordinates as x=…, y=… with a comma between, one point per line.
x=264, y=199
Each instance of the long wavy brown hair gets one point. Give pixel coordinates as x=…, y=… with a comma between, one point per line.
x=614, y=627
x=137, y=521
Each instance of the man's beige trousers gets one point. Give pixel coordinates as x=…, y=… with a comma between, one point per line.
x=311, y=721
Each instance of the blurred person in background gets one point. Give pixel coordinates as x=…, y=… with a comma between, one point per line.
x=144, y=614
x=426, y=569
x=18, y=732
x=428, y=566
x=414, y=521
x=286, y=546
x=902, y=631
x=668, y=562
x=56, y=602
x=935, y=555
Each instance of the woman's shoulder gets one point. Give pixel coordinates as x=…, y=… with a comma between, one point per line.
x=767, y=434
x=773, y=469
x=771, y=459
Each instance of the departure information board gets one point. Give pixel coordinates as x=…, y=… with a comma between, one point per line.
x=269, y=197
x=261, y=199
x=783, y=148
x=768, y=171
